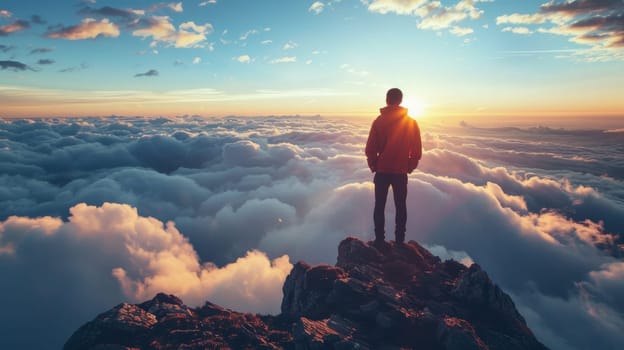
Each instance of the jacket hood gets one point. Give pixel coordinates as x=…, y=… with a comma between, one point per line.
x=393, y=112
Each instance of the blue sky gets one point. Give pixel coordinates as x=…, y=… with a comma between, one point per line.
x=452, y=58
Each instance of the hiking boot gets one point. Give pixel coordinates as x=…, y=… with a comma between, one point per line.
x=381, y=245
x=399, y=238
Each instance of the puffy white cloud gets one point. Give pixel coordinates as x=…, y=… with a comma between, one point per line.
x=402, y=7
x=317, y=7
x=157, y=27
x=176, y=7
x=243, y=59
x=142, y=254
x=433, y=14
x=14, y=229
x=160, y=29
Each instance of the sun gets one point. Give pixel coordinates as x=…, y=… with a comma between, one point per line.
x=415, y=107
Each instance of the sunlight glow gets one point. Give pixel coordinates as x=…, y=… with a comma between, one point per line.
x=415, y=107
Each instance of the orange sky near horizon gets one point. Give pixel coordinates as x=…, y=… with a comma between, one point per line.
x=473, y=106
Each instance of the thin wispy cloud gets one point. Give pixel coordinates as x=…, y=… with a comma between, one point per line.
x=41, y=50
x=290, y=45
x=108, y=11
x=16, y=26
x=518, y=30
x=173, y=6
x=149, y=73
x=36, y=19
x=45, y=61
x=246, y=35
x=285, y=59
x=352, y=70
x=72, y=69
x=7, y=48
x=14, y=66
x=460, y=31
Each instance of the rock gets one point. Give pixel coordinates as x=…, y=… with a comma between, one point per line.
x=391, y=297
x=455, y=333
x=306, y=290
x=293, y=287
x=125, y=324
x=177, y=326
x=402, y=296
x=165, y=305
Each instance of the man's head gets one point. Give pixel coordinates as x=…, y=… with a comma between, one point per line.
x=394, y=97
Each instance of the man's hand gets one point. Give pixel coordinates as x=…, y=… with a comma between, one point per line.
x=412, y=165
x=372, y=164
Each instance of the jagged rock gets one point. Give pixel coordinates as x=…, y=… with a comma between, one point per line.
x=166, y=323
x=459, y=334
x=125, y=324
x=376, y=297
x=401, y=296
x=306, y=290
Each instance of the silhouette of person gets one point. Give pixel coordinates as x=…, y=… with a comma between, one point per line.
x=393, y=150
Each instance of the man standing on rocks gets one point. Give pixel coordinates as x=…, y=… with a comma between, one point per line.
x=393, y=150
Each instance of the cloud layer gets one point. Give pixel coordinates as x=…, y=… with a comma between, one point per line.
x=117, y=209
x=89, y=28
x=597, y=24
x=434, y=15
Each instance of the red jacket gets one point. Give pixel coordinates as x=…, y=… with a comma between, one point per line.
x=394, y=144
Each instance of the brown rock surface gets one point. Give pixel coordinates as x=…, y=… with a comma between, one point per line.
x=387, y=297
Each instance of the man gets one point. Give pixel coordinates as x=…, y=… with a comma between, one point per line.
x=393, y=150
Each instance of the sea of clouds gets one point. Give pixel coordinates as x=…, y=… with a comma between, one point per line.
x=97, y=211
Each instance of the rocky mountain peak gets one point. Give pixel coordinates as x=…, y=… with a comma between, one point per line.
x=376, y=297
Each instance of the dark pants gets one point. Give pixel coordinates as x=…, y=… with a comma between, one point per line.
x=399, y=191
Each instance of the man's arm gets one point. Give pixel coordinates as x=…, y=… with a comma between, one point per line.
x=371, y=148
x=415, y=147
